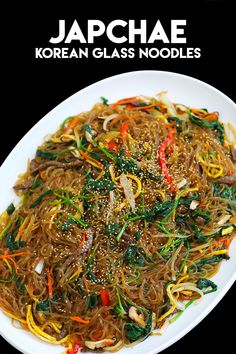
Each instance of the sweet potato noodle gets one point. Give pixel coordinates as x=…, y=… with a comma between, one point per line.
x=125, y=213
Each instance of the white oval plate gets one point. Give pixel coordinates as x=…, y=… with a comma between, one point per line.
x=181, y=89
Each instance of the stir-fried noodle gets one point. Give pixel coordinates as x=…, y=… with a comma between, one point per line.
x=125, y=213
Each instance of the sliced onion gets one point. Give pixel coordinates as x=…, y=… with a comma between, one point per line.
x=128, y=190
x=181, y=183
x=224, y=219
x=181, y=107
x=115, y=347
x=76, y=154
x=186, y=286
x=233, y=220
x=89, y=241
x=99, y=344
x=161, y=330
x=194, y=204
x=162, y=96
x=39, y=266
x=89, y=137
x=110, y=209
x=180, y=305
x=108, y=119
x=112, y=197
x=154, y=321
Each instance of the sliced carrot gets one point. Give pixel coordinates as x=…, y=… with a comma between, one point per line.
x=98, y=197
x=8, y=264
x=88, y=157
x=2, y=256
x=14, y=264
x=228, y=242
x=20, y=231
x=123, y=128
x=199, y=112
x=83, y=240
x=97, y=335
x=72, y=124
x=24, y=325
x=188, y=297
x=50, y=282
x=117, y=119
x=225, y=240
x=126, y=100
x=42, y=174
x=139, y=108
x=211, y=117
x=129, y=106
x=79, y=319
x=171, y=124
x=37, y=259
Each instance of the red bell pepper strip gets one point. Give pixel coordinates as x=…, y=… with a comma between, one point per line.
x=75, y=348
x=123, y=128
x=112, y=145
x=162, y=159
x=105, y=297
x=50, y=283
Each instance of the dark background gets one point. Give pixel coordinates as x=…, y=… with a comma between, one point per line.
x=33, y=87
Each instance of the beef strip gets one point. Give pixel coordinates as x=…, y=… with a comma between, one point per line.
x=25, y=185
x=34, y=167
x=233, y=152
x=231, y=180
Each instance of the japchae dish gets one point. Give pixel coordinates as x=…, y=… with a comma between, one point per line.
x=125, y=214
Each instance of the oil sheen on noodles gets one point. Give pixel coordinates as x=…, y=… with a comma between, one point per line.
x=125, y=214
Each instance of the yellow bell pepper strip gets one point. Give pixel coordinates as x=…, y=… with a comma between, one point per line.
x=211, y=165
x=37, y=331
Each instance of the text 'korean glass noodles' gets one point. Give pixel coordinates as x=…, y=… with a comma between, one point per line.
x=125, y=213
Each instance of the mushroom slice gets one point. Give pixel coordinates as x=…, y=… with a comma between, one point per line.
x=99, y=344
x=133, y=314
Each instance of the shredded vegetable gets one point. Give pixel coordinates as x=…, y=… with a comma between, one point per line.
x=125, y=213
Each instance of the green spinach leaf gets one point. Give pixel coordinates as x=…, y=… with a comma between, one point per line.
x=134, y=332
x=204, y=283
x=126, y=165
x=43, y=306
x=11, y=244
x=104, y=100
x=217, y=126
x=38, y=200
x=92, y=301
x=10, y=209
